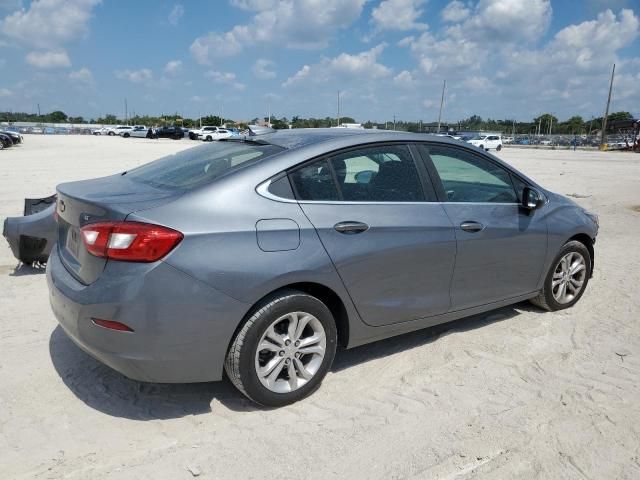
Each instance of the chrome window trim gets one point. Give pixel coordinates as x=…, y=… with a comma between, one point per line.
x=263, y=191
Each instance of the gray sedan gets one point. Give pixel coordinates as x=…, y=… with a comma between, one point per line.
x=259, y=256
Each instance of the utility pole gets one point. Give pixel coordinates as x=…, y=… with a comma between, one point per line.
x=444, y=85
x=38, y=111
x=550, y=123
x=126, y=113
x=394, y=123
x=338, y=111
x=603, y=134
x=269, y=113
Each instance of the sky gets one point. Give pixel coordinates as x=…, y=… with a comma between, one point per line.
x=500, y=58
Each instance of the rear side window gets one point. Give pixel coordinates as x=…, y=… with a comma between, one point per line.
x=315, y=182
x=371, y=174
x=198, y=166
x=467, y=177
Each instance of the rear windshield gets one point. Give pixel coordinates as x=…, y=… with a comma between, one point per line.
x=200, y=165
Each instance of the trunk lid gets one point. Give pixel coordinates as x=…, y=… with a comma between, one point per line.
x=90, y=201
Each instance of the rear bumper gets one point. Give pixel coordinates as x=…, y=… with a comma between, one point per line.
x=182, y=327
x=31, y=237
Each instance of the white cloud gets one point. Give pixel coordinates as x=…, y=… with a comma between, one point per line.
x=135, y=76
x=83, y=75
x=398, y=15
x=264, y=69
x=48, y=59
x=299, y=24
x=363, y=65
x=176, y=14
x=226, y=78
x=49, y=23
x=509, y=20
x=404, y=79
x=477, y=83
x=299, y=76
x=456, y=11
x=5, y=92
x=173, y=67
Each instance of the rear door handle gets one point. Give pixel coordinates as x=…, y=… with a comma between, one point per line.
x=349, y=228
x=472, y=226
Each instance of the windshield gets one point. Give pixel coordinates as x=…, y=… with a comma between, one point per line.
x=197, y=166
x=479, y=137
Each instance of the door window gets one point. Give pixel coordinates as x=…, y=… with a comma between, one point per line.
x=467, y=177
x=371, y=174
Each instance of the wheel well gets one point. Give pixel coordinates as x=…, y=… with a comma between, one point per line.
x=587, y=241
x=325, y=295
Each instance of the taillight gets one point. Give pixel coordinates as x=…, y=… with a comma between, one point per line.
x=129, y=241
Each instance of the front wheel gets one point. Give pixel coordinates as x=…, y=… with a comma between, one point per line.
x=284, y=350
x=498, y=148
x=126, y=135
x=112, y=134
x=567, y=278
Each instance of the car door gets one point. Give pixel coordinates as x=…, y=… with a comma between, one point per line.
x=501, y=247
x=390, y=241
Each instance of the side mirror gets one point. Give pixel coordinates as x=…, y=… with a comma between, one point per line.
x=532, y=199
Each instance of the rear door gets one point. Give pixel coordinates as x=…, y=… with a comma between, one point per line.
x=390, y=241
x=501, y=247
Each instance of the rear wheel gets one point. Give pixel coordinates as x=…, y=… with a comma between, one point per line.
x=499, y=147
x=126, y=135
x=284, y=350
x=111, y=134
x=567, y=278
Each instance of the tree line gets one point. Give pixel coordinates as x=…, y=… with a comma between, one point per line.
x=575, y=125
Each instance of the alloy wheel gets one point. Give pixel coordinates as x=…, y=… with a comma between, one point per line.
x=290, y=352
x=568, y=277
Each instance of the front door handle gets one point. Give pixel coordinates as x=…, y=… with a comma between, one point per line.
x=472, y=226
x=349, y=228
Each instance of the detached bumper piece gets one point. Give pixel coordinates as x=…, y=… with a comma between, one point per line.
x=31, y=237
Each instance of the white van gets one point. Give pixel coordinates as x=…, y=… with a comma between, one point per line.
x=487, y=141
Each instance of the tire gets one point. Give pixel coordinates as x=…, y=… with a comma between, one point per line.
x=111, y=134
x=126, y=135
x=546, y=299
x=208, y=139
x=270, y=323
x=482, y=147
x=1, y=145
x=498, y=148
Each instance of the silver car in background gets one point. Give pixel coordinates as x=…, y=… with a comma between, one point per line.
x=259, y=256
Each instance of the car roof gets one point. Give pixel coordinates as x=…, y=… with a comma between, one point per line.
x=302, y=137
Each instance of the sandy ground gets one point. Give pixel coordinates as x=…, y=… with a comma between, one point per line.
x=515, y=393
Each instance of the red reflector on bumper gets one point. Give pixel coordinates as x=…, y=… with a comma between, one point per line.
x=111, y=325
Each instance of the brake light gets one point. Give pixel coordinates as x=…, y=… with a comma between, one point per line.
x=129, y=241
x=112, y=325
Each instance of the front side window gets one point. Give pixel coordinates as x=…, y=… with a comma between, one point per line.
x=467, y=177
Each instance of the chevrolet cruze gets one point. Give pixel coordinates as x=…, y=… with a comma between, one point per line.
x=258, y=256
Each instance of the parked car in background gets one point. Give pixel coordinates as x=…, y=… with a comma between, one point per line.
x=5, y=141
x=487, y=141
x=218, y=134
x=134, y=131
x=173, y=132
x=195, y=133
x=101, y=131
x=15, y=137
x=140, y=131
x=37, y=130
x=260, y=255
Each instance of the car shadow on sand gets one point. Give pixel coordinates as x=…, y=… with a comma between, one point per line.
x=111, y=393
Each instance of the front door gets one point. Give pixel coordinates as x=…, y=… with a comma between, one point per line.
x=501, y=247
x=393, y=248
